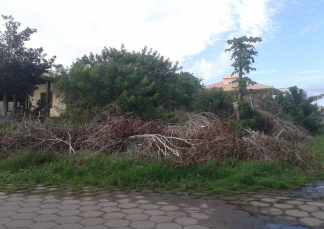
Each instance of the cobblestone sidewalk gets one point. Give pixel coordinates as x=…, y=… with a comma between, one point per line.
x=295, y=210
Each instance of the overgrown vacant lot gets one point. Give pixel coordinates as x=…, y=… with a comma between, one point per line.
x=26, y=169
x=199, y=154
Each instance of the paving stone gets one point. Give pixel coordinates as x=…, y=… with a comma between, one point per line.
x=197, y=227
x=70, y=202
x=100, y=227
x=161, y=219
x=317, y=204
x=110, y=209
x=87, y=203
x=43, y=225
x=68, y=219
x=7, y=214
x=311, y=222
x=170, y=208
x=294, y=202
x=69, y=226
x=24, y=216
x=132, y=211
x=271, y=211
x=117, y=223
x=114, y=215
x=108, y=204
x=148, y=206
x=32, y=204
x=307, y=208
x=123, y=201
x=28, y=209
x=89, y=208
x=154, y=212
x=176, y=214
x=283, y=206
x=168, y=226
x=12, y=203
x=51, y=201
x=259, y=204
x=142, y=224
x=45, y=218
x=142, y=202
x=69, y=212
x=8, y=208
x=14, y=199
x=92, y=221
x=297, y=213
x=33, y=200
x=137, y=217
x=4, y=220
x=127, y=205
x=186, y=221
x=199, y=216
x=319, y=215
x=91, y=214
x=19, y=223
x=49, y=206
x=48, y=211
x=70, y=207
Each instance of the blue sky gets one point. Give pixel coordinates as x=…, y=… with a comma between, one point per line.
x=189, y=31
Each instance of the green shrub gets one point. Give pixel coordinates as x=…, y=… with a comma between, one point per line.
x=301, y=109
x=214, y=100
x=250, y=118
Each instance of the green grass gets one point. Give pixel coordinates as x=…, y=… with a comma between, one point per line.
x=27, y=169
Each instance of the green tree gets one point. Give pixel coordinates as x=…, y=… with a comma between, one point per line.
x=243, y=55
x=214, y=100
x=300, y=108
x=141, y=82
x=20, y=67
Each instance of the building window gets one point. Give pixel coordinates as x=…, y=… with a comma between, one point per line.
x=43, y=99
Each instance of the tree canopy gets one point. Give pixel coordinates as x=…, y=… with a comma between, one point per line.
x=20, y=67
x=300, y=108
x=243, y=55
x=142, y=82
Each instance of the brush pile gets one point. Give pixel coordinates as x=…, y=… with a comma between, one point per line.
x=194, y=138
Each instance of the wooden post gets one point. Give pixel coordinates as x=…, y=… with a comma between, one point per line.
x=14, y=109
x=48, y=91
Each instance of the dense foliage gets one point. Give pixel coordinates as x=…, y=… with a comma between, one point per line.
x=141, y=82
x=214, y=100
x=20, y=67
x=300, y=108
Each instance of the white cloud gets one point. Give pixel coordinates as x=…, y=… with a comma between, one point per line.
x=305, y=72
x=176, y=29
x=308, y=78
x=212, y=69
x=312, y=28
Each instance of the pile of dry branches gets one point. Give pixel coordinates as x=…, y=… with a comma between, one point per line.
x=194, y=138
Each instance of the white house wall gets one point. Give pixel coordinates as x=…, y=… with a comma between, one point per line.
x=57, y=104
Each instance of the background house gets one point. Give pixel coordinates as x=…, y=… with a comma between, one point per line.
x=259, y=88
x=55, y=103
x=43, y=94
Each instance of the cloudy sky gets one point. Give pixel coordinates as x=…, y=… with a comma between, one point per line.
x=189, y=31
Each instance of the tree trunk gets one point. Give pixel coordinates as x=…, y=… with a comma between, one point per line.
x=5, y=104
x=240, y=94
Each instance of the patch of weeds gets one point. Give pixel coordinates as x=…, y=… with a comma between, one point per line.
x=104, y=171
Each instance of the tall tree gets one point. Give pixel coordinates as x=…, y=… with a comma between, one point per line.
x=141, y=82
x=20, y=67
x=243, y=52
